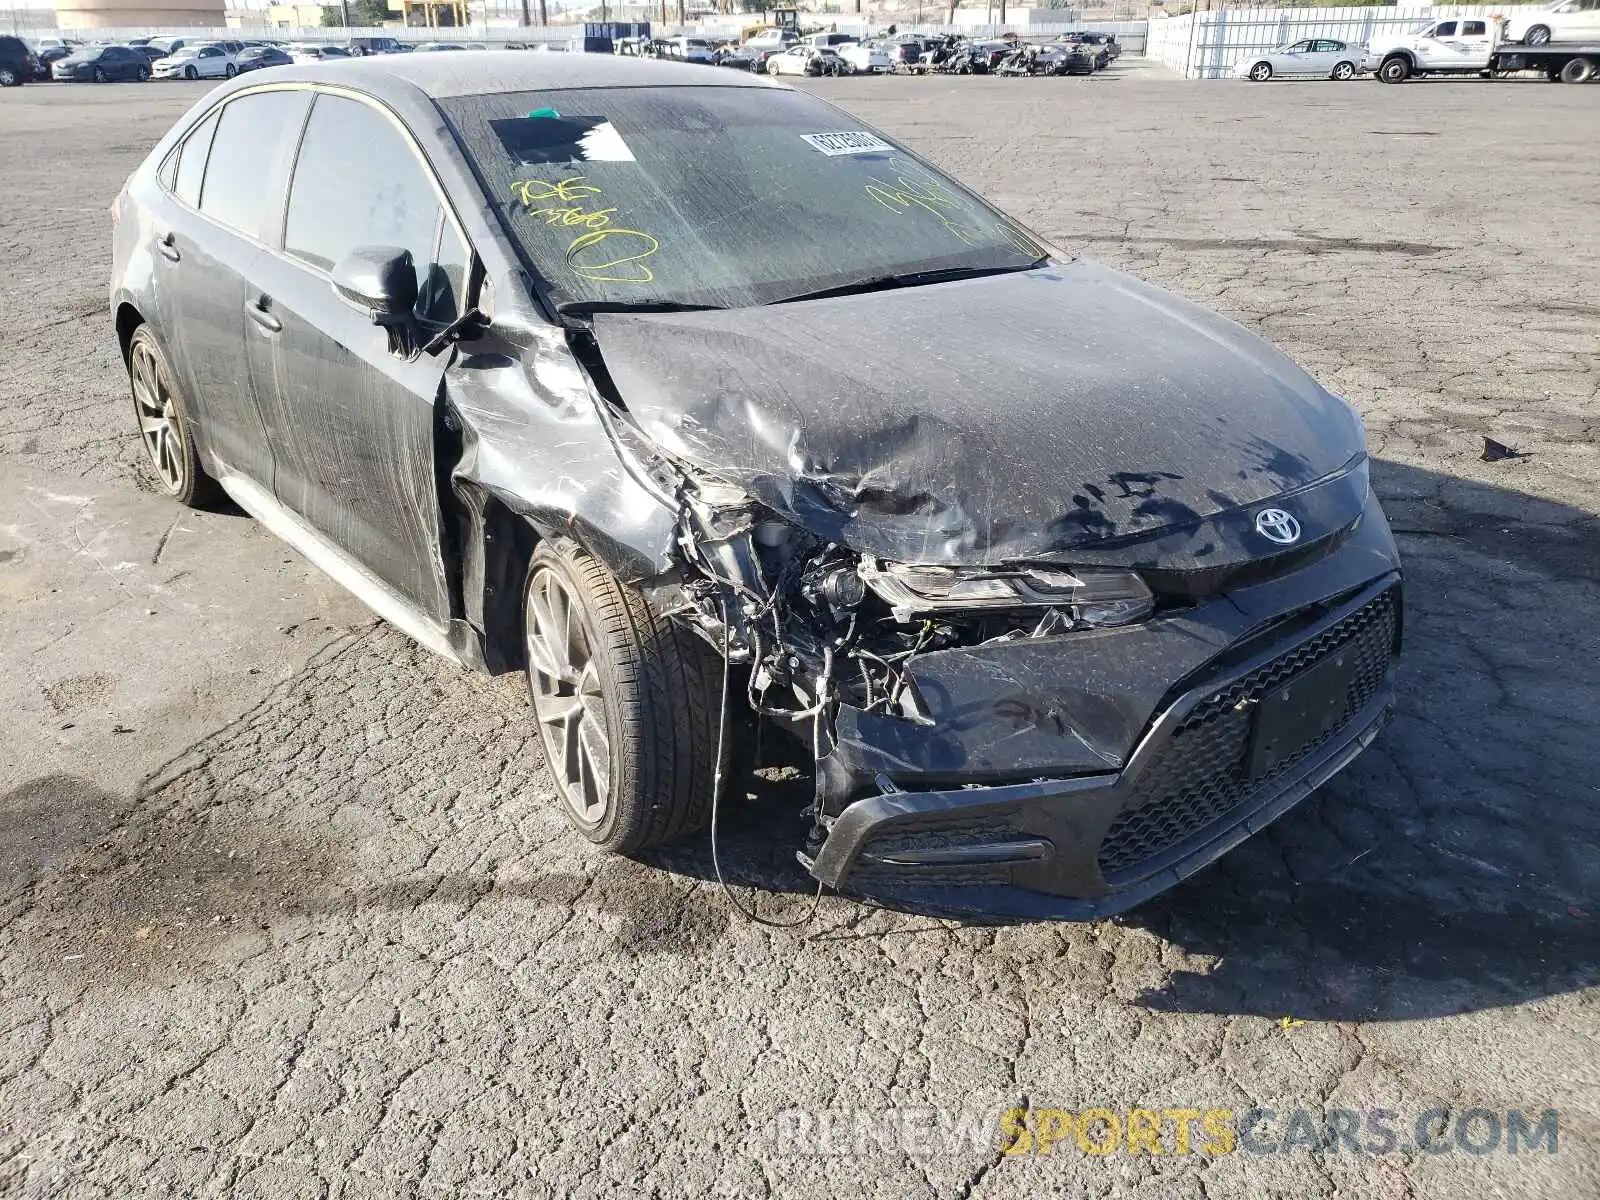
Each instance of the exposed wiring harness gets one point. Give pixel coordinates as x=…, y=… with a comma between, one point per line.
x=750, y=913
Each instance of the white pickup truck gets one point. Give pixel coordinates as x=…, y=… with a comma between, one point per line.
x=1473, y=45
x=1452, y=46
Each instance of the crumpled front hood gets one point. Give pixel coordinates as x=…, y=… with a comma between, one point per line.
x=1010, y=417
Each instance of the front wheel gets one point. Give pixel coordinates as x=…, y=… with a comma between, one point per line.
x=1261, y=72
x=626, y=701
x=1344, y=71
x=230, y=71
x=190, y=73
x=1539, y=35
x=144, y=74
x=1395, y=70
x=99, y=75
x=1577, y=70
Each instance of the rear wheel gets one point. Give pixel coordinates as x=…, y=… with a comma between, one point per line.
x=1261, y=72
x=99, y=75
x=1394, y=70
x=1344, y=71
x=230, y=70
x=1578, y=70
x=1539, y=35
x=144, y=74
x=164, y=424
x=626, y=702
x=9, y=78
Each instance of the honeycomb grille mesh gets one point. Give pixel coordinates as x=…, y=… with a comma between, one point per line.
x=1200, y=774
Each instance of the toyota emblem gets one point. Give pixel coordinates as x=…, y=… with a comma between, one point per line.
x=1278, y=526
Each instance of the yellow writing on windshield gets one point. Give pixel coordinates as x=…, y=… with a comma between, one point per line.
x=604, y=252
x=909, y=189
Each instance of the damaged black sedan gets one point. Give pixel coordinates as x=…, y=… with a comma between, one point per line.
x=710, y=408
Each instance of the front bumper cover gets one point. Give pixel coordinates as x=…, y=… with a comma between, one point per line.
x=1096, y=844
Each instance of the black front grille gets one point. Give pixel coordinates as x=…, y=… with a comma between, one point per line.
x=939, y=834
x=1201, y=773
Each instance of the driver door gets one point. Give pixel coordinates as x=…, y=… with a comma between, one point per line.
x=1296, y=59
x=1434, y=49
x=353, y=421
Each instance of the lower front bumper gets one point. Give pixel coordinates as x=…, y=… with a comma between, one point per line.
x=1093, y=845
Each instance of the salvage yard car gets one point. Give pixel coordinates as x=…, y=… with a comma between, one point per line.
x=1317, y=58
x=204, y=60
x=710, y=408
x=101, y=64
x=1557, y=21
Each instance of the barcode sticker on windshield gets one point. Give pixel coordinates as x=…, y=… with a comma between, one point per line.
x=835, y=144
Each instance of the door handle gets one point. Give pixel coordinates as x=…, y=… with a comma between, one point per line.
x=256, y=310
x=168, y=247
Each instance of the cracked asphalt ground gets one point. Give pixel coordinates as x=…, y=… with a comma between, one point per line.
x=286, y=908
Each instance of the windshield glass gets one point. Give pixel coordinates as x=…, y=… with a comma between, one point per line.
x=717, y=196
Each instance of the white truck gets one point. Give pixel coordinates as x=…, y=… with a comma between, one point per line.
x=1479, y=46
x=1451, y=46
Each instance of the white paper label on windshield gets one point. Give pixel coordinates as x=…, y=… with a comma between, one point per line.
x=835, y=144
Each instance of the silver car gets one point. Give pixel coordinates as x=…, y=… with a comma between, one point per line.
x=1324, y=58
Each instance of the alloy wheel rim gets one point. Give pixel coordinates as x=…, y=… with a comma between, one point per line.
x=158, y=419
x=567, y=698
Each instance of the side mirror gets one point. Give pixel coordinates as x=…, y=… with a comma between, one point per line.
x=380, y=279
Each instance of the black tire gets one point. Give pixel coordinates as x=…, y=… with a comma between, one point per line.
x=1344, y=71
x=144, y=75
x=659, y=689
x=1577, y=70
x=1261, y=72
x=1394, y=70
x=1537, y=35
x=99, y=75
x=180, y=474
x=230, y=71
x=190, y=73
x=9, y=78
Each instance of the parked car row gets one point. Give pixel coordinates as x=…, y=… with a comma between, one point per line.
x=67, y=60
x=770, y=51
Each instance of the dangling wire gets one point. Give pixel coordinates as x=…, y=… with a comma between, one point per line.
x=716, y=798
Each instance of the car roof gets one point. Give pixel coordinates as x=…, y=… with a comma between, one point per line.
x=493, y=71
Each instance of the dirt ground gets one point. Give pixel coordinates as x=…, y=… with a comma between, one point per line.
x=287, y=910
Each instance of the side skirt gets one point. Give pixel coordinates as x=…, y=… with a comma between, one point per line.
x=339, y=566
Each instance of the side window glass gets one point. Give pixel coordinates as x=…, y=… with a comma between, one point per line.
x=245, y=150
x=442, y=284
x=1445, y=29
x=192, y=161
x=358, y=183
x=1473, y=28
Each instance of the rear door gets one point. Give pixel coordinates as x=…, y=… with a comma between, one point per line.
x=211, y=62
x=1472, y=43
x=1329, y=54
x=228, y=169
x=353, y=423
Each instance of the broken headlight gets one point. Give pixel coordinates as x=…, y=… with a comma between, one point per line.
x=1095, y=598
